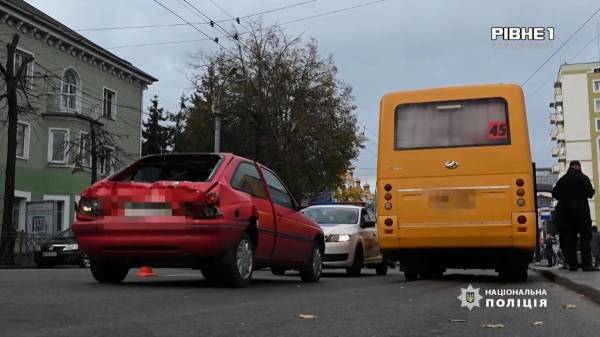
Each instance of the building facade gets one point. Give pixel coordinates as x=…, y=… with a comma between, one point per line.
x=575, y=117
x=74, y=83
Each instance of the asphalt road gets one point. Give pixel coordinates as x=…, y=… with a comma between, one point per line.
x=68, y=302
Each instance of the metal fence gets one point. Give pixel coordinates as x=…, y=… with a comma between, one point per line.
x=20, y=248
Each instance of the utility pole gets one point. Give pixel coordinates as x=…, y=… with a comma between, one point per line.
x=217, y=114
x=216, y=100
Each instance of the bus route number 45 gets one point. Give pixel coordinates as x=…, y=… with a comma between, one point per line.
x=497, y=130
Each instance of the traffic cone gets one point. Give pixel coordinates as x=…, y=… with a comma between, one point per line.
x=146, y=271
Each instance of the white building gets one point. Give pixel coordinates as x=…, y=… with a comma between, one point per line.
x=576, y=119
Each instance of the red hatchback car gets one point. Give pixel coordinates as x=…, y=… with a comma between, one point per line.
x=220, y=213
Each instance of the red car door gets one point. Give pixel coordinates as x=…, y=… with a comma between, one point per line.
x=294, y=241
x=246, y=178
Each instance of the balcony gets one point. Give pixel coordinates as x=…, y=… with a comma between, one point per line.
x=73, y=104
x=558, y=98
x=560, y=118
x=552, y=118
x=555, y=151
x=556, y=168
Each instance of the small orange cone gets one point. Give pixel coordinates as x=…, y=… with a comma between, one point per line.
x=146, y=271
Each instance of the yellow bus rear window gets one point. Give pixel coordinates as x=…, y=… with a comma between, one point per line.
x=475, y=122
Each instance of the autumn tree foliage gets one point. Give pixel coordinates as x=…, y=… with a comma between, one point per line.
x=281, y=103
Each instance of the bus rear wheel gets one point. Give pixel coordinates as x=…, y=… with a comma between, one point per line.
x=516, y=274
x=411, y=276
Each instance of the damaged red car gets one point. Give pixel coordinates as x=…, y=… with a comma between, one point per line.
x=220, y=213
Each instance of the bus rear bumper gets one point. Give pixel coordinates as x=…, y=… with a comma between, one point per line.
x=460, y=236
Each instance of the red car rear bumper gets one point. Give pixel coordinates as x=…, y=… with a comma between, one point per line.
x=157, y=238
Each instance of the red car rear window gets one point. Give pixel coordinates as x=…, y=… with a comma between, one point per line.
x=196, y=168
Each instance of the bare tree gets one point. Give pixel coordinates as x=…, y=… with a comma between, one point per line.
x=98, y=152
x=17, y=100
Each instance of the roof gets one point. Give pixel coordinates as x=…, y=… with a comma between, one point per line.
x=44, y=19
x=578, y=67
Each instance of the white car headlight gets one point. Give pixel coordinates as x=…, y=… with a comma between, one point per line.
x=72, y=246
x=339, y=238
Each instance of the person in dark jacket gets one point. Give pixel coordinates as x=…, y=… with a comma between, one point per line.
x=596, y=245
x=549, y=250
x=573, y=214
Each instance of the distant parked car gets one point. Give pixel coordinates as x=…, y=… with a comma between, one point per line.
x=350, y=238
x=61, y=250
x=220, y=213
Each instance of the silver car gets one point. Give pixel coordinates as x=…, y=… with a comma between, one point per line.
x=350, y=237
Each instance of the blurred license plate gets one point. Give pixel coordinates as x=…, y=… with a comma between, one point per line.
x=148, y=209
x=48, y=254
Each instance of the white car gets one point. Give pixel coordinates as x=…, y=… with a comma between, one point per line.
x=350, y=237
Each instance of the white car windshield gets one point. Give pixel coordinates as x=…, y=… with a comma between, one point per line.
x=332, y=215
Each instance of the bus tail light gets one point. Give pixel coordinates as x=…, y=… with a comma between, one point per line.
x=520, y=192
x=521, y=202
x=388, y=222
x=387, y=206
x=521, y=219
x=520, y=182
x=387, y=187
x=388, y=196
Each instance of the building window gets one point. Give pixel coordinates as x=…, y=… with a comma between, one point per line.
x=23, y=140
x=70, y=92
x=85, y=153
x=596, y=85
x=26, y=80
x=597, y=105
x=107, y=162
x=109, y=109
x=597, y=124
x=57, y=146
x=63, y=205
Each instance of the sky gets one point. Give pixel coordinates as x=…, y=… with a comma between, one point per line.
x=379, y=47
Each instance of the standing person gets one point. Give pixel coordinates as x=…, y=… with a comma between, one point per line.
x=562, y=238
x=596, y=245
x=549, y=250
x=572, y=191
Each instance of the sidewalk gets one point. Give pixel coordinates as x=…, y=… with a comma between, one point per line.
x=585, y=283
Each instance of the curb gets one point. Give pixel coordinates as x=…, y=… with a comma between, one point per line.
x=589, y=292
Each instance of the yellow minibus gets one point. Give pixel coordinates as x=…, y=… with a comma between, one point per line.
x=455, y=183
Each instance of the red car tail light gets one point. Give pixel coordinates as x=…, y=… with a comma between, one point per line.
x=211, y=199
x=201, y=210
